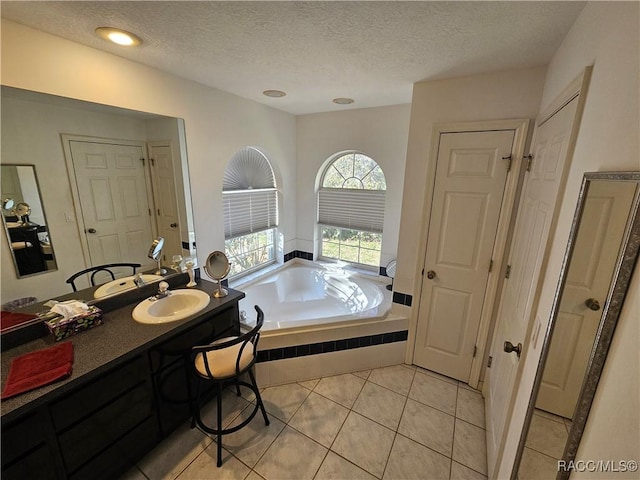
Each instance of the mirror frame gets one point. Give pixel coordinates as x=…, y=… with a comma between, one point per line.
x=44, y=215
x=625, y=264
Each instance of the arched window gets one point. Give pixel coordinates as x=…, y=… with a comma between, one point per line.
x=351, y=209
x=250, y=203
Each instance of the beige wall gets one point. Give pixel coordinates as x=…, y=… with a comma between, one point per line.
x=217, y=124
x=605, y=35
x=380, y=133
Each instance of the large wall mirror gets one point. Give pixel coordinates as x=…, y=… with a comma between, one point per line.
x=24, y=221
x=110, y=179
x=600, y=257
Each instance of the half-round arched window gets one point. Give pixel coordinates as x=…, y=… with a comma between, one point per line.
x=351, y=201
x=250, y=200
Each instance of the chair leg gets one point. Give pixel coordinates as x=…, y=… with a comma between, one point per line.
x=219, y=399
x=195, y=408
x=258, y=397
x=238, y=389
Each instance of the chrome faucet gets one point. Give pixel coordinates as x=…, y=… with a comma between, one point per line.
x=138, y=280
x=163, y=291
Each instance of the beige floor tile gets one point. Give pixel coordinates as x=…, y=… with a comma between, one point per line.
x=174, y=453
x=410, y=460
x=335, y=467
x=283, y=401
x=434, y=392
x=232, y=405
x=537, y=466
x=254, y=476
x=319, y=418
x=292, y=456
x=397, y=378
x=470, y=407
x=365, y=443
x=438, y=375
x=204, y=467
x=343, y=389
x=549, y=416
x=380, y=405
x=428, y=426
x=363, y=374
x=250, y=442
x=470, y=446
x=467, y=387
x=310, y=384
x=133, y=474
x=460, y=472
x=547, y=436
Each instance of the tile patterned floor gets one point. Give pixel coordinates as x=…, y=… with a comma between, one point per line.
x=398, y=422
x=545, y=443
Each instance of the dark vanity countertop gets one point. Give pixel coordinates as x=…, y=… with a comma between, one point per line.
x=100, y=348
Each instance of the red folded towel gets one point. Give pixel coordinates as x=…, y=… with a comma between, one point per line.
x=11, y=319
x=36, y=369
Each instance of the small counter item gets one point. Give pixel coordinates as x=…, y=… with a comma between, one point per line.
x=62, y=328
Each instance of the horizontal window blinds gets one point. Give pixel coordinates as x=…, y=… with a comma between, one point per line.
x=249, y=211
x=353, y=209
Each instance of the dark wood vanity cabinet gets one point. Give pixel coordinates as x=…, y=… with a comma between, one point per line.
x=102, y=427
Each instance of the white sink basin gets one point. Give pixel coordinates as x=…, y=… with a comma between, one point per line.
x=121, y=284
x=179, y=305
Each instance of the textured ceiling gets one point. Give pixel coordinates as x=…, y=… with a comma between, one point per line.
x=315, y=51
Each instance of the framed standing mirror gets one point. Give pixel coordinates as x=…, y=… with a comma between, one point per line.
x=600, y=257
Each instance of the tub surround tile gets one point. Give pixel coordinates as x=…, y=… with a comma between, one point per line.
x=396, y=377
x=428, y=426
x=343, y=389
x=402, y=298
x=292, y=456
x=410, y=460
x=434, y=392
x=319, y=418
x=335, y=467
x=380, y=405
x=469, y=446
x=355, y=441
x=298, y=254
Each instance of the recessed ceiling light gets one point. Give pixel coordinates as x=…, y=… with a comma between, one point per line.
x=121, y=37
x=343, y=101
x=274, y=93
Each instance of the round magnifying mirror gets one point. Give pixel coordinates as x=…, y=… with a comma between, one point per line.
x=391, y=273
x=155, y=253
x=217, y=267
x=8, y=203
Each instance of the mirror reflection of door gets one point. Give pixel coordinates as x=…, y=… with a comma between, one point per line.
x=115, y=201
x=592, y=264
x=166, y=208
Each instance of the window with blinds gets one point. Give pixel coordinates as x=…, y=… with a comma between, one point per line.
x=250, y=203
x=350, y=214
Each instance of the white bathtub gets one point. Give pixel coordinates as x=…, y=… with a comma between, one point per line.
x=314, y=294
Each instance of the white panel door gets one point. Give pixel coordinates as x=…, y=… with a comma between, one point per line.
x=114, y=201
x=528, y=251
x=602, y=225
x=166, y=204
x=469, y=186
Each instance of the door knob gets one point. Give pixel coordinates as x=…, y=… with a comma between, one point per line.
x=593, y=304
x=509, y=348
x=91, y=230
x=174, y=225
x=431, y=274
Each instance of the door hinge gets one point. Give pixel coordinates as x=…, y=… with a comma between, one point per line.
x=507, y=273
x=150, y=212
x=158, y=212
x=422, y=272
x=153, y=162
x=475, y=351
x=529, y=159
x=142, y=160
x=491, y=265
x=510, y=158
x=489, y=362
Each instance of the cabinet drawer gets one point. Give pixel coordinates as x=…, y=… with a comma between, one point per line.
x=120, y=457
x=36, y=465
x=19, y=438
x=97, y=394
x=86, y=439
